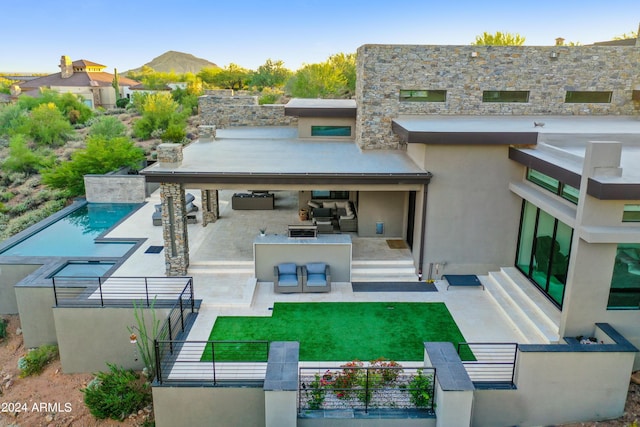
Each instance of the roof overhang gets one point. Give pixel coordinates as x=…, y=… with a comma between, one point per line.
x=299, y=107
x=287, y=178
x=457, y=130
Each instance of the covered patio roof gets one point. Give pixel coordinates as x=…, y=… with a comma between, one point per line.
x=274, y=155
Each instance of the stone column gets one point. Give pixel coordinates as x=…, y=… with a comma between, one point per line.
x=210, y=207
x=174, y=229
x=174, y=214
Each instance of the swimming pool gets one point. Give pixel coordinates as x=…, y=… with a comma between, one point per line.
x=75, y=234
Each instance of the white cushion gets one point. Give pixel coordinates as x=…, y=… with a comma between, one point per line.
x=351, y=216
x=313, y=204
x=341, y=205
x=330, y=205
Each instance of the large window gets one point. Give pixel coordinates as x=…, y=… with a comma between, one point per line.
x=563, y=190
x=543, y=252
x=326, y=194
x=423, y=95
x=505, y=96
x=631, y=213
x=588, y=96
x=330, y=130
x=624, y=293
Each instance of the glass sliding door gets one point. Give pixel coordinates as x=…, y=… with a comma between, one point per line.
x=544, y=245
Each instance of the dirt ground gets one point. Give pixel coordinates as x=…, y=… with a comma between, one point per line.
x=66, y=408
x=52, y=399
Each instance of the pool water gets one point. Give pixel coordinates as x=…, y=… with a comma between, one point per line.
x=74, y=234
x=83, y=269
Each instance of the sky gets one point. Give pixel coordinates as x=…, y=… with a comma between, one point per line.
x=125, y=35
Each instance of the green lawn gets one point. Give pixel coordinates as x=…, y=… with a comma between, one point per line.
x=342, y=331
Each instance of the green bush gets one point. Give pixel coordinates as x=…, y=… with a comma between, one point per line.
x=101, y=155
x=175, y=133
x=108, y=127
x=47, y=125
x=3, y=329
x=159, y=111
x=9, y=227
x=35, y=360
x=122, y=102
x=13, y=119
x=116, y=394
x=420, y=388
x=24, y=159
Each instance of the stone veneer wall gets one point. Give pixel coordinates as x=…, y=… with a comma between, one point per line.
x=383, y=70
x=224, y=111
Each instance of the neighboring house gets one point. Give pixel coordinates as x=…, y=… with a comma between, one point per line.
x=141, y=88
x=84, y=78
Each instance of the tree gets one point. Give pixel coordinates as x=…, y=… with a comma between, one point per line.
x=271, y=74
x=625, y=36
x=208, y=74
x=232, y=77
x=499, y=39
x=346, y=65
x=116, y=83
x=101, y=155
x=318, y=81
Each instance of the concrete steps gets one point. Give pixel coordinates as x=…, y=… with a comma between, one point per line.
x=383, y=271
x=221, y=267
x=530, y=312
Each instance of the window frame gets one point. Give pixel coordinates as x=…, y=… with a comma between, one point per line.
x=505, y=96
x=411, y=95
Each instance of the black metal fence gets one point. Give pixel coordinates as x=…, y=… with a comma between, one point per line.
x=494, y=362
x=73, y=291
x=210, y=362
x=357, y=387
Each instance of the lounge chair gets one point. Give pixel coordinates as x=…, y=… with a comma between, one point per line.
x=316, y=277
x=287, y=278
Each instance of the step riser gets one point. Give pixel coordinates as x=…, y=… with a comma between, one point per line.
x=524, y=312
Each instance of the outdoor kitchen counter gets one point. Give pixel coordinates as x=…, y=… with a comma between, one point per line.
x=274, y=249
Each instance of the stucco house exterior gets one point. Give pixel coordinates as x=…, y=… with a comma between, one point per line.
x=81, y=77
x=516, y=164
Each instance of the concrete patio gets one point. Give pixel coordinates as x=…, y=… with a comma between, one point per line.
x=221, y=264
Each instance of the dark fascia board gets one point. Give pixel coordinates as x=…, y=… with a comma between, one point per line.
x=613, y=191
x=563, y=175
x=464, y=138
x=286, y=179
x=321, y=112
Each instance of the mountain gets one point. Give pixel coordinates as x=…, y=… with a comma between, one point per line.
x=178, y=62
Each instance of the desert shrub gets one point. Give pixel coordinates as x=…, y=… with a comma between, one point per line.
x=175, y=133
x=9, y=227
x=5, y=196
x=35, y=360
x=115, y=394
x=47, y=125
x=13, y=119
x=3, y=328
x=158, y=110
x=108, y=127
x=122, y=102
x=14, y=179
x=420, y=388
x=101, y=155
x=22, y=158
x=74, y=116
